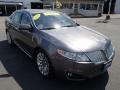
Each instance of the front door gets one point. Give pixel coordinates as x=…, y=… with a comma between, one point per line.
x=26, y=36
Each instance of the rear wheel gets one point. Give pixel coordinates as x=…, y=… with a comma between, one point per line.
x=44, y=64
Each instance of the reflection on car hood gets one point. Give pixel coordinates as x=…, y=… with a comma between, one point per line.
x=77, y=39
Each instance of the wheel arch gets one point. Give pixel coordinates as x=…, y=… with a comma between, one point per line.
x=36, y=50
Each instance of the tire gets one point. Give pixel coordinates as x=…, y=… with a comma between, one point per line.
x=9, y=40
x=44, y=65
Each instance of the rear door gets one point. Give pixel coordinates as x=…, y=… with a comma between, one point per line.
x=13, y=25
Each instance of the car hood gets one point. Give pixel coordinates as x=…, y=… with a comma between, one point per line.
x=77, y=39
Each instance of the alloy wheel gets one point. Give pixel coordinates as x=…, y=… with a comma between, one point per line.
x=43, y=64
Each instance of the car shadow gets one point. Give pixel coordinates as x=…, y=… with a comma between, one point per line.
x=24, y=71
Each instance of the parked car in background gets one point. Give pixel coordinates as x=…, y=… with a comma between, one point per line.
x=58, y=44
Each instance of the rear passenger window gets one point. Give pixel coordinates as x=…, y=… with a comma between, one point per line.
x=16, y=17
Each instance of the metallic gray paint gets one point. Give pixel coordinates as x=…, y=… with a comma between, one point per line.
x=76, y=39
x=72, y=39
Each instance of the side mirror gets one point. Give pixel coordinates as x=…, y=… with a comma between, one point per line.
x=25, y=27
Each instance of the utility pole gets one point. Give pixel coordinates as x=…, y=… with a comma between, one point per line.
x=108, y=15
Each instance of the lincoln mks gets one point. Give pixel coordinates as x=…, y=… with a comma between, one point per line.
x=58, y=44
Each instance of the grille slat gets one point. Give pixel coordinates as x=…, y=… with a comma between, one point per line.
x=96, y=56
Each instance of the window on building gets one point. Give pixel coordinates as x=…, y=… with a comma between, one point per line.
x=82, y=6
x=91, y=7
x=65, y=5
x=48, y=6
x=100, y=8
x=71, y=6
x=76, y=6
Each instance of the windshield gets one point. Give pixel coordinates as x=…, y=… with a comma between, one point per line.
x=52, y=20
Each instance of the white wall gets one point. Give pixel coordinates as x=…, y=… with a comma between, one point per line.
x=89, y=12
x=117, y=6
x=67, y=11
x=84, y=12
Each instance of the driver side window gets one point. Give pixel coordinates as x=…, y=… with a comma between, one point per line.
x=25, y=19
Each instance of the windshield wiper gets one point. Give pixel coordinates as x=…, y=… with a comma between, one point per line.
x=72, y=25
x=69, y=26
x=47, y=28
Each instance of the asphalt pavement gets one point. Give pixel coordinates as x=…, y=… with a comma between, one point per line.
x=18, y=72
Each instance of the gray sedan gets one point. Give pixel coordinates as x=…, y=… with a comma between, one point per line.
x=58, y=44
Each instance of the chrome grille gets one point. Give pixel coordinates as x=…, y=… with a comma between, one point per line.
x=96, y=56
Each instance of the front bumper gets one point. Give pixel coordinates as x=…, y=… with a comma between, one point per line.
x=74, y=70
x=85, y=70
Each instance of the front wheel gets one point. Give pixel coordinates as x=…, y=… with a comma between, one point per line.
x=44, y=65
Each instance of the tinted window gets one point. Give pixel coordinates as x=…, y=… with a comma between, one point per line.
x=82, y=6
x=66, y=5
x=70, y=6
x=25, y=19
x=16, y=17
x=91, y=7
x=76, y=6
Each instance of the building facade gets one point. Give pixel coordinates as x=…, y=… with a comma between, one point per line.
x=79, y=7
x=71, y=7
x=8, y=6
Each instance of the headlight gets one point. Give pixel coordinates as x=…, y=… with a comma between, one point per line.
x=74, y=56
x=109, y=50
